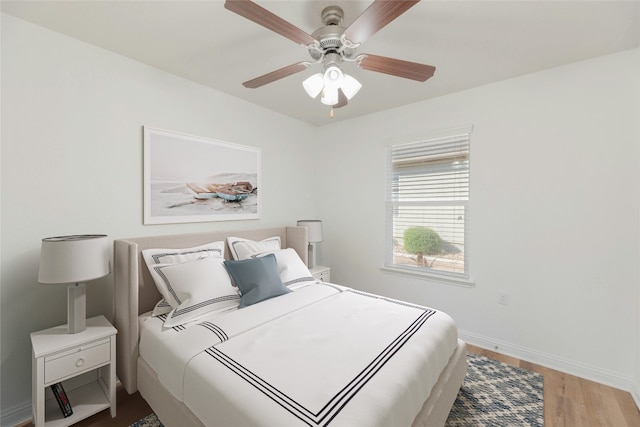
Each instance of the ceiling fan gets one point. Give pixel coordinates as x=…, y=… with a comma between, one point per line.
x=333, y=44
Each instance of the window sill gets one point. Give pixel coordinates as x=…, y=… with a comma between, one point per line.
x=449, y=280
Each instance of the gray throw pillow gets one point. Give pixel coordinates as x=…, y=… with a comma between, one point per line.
x=257, y=278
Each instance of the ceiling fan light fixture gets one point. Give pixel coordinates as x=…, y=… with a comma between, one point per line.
x=313, y=84
x=350, y=86
x=329, y=96
x=331, y=45
x=333, y=77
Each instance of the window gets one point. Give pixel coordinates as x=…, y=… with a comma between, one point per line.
x=427, y=205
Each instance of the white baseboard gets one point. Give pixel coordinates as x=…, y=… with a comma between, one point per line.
x=17, y=415
x=636, y=396
x=592, y=373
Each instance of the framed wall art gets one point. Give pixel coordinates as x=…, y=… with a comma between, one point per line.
x=193, y=179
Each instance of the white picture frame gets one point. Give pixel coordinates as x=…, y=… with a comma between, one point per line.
x=189, y=178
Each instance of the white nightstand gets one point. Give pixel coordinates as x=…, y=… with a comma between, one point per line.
x=61, y=357
x=321, y=273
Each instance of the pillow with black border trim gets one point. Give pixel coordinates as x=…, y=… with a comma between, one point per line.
x=203, y=287
x=243, y=248
x=155, y=258
x=257, y=279
x=291, y=268
x=162, y=307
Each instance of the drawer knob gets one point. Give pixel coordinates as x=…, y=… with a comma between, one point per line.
x=80, y=362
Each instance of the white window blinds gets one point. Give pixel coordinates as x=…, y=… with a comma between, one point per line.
x=428, y=194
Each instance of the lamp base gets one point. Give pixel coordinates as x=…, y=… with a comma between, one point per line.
x=76, y=308
x=312, y=255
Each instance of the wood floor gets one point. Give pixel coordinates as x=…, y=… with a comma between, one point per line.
x=575, y=402
x=129, y=409
x=568, y=401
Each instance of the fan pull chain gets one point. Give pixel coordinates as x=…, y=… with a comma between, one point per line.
x=331, y=113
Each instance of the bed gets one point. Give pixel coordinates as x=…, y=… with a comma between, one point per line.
x=321, y=354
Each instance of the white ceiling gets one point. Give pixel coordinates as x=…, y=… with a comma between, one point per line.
x=471, y=43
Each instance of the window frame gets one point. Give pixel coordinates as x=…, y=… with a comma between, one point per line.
x=454, y=278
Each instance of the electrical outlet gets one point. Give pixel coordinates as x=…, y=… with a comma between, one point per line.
x=503, y=298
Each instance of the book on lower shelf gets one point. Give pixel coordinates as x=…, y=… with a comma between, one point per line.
x=63, y=400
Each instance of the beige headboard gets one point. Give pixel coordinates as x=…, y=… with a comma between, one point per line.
x=136, y=293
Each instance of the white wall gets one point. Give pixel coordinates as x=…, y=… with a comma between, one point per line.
x=636, y=390
x=72, y=118
x=553, y=221
x=555, y=187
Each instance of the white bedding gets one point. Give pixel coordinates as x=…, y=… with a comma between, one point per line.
x=321, y=355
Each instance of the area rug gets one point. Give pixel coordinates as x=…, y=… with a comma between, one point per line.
x=148, y=421
x=493, y=395
x=497, y=394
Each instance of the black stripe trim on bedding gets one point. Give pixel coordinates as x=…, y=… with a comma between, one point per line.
x=180, y=312
x=166, y=281
x=164, y=316
x=156, y=257
x=337, y=403
x=163, y=304
x=300, y=279
x=329, y=285
x=217, y=330
x=393, y=301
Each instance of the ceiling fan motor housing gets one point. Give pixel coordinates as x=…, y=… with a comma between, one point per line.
x=332, y=15
x=329, y=36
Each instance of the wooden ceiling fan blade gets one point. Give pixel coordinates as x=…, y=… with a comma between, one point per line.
x=276, y=75
x=269, y=20
x=396, y=67
x=342, y=100
x=376, y=16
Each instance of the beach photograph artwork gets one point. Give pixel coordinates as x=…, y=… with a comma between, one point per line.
x=194, y=179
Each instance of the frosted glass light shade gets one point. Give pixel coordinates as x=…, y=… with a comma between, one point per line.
x=350, y=86
x=333, y=77
x=313, y=85
x=329, y=83
x=329, y=96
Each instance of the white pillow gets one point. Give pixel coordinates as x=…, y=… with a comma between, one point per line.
x=157, y=258
x=243, y=248
x=174, y=256
x=291, y=268
x=202, y=286
x=162, y=307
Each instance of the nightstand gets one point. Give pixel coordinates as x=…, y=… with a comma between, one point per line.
x=86, y=364
x=321, y=273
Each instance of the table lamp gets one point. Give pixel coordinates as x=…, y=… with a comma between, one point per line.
x=314, y=228
x=74, y=259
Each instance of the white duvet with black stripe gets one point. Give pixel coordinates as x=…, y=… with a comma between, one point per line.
x=320, y=356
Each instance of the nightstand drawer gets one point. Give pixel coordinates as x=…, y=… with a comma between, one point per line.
x=323, y=277
x=77, y=360
x=321, y=273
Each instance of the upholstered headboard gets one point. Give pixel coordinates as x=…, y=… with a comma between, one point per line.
x=136, y=293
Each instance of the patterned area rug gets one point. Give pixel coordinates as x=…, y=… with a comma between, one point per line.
x=497, y=394
x=493, y=395
x=148, y=421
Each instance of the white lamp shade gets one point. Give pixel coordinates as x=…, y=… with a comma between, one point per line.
x=350, y=86
x=314, y=228
x=313, y=85
x=73, y=259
